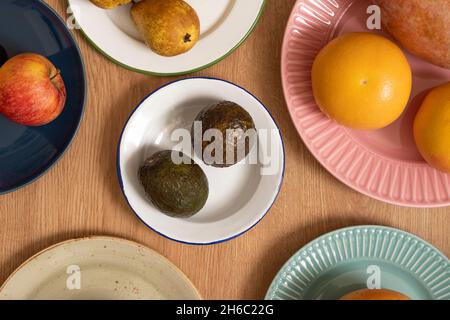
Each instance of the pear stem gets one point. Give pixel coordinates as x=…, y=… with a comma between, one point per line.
x=187, y=38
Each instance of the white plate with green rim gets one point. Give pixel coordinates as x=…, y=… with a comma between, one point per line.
x=98, y=268
x=225, y=24
x=342, y=261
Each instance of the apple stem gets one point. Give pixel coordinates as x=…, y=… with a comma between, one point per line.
x=58, y=72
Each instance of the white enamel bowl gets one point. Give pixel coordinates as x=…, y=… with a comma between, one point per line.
x=239, y=196
x=225, y=24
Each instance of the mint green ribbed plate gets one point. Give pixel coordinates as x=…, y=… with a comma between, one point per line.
x=337, y=263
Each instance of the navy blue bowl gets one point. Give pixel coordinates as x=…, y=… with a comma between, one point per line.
x=26, y=153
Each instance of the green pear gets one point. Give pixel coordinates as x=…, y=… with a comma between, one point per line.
x=169, y=27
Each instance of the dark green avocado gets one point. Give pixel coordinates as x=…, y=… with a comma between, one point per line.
x=225, y=116
x=178, y=190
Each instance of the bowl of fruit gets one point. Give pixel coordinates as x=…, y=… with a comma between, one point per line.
x=42, y=91
x=367, y=86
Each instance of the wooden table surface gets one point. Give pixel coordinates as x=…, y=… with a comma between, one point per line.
x=80, y=196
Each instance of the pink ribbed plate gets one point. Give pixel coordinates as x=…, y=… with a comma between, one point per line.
x=383, y=164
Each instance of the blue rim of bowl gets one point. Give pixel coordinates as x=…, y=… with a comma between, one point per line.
x=75, y=132
x=119, y=173
x=180, y=73
x=280, y=272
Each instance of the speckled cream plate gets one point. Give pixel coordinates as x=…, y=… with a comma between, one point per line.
x=98, y=268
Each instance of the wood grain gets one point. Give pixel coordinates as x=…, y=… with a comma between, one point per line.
x=80, y=196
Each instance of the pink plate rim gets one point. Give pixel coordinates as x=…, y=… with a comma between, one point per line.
x=400, y=190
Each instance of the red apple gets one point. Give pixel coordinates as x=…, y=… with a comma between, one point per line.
x=32, y=91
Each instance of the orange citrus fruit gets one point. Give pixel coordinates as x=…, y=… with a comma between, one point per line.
x=362, y=80
x=374, y=294
x=432, y=128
